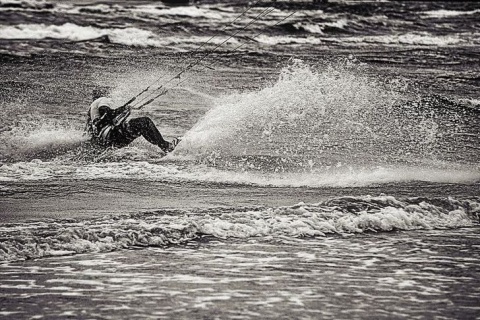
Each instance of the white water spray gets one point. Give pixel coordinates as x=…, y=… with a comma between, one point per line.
x=313, y=119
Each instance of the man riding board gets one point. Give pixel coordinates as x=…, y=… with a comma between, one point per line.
x=111, y=127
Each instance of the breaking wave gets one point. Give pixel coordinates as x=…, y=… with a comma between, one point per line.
x=341, y=216
x=129, y=36
x=414, y=39
x=184, y=11
x=424, y=39
x=26, y=4
x=442, y=13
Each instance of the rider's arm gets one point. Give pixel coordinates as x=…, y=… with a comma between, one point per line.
x=120, y=110
x=106, y=117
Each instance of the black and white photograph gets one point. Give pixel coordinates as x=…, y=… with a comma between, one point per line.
x=239, y=159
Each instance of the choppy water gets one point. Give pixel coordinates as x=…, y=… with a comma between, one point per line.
x=383, y=276
x=328, y=167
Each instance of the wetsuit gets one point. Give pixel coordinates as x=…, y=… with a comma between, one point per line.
x=106, y=130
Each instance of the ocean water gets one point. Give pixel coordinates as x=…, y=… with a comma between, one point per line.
x=328, y=169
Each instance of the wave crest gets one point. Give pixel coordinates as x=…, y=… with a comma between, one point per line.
x=345, y=215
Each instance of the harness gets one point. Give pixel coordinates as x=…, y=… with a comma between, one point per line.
x=105, y=134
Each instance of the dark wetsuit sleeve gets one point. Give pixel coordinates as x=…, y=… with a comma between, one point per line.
x=106, y=118
x=107, y=115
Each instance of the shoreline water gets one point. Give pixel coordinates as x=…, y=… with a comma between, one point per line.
x=384, y=275
x=76, y=199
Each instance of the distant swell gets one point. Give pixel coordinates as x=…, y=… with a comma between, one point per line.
x=345, y=215
x=126, y=36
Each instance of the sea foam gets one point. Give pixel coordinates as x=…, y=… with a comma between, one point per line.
x=423, y=39
x=447, y=13
x=183, y=11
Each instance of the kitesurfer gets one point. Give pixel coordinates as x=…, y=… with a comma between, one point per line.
x=109, y=127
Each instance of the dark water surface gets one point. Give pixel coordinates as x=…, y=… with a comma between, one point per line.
x=328, y=167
